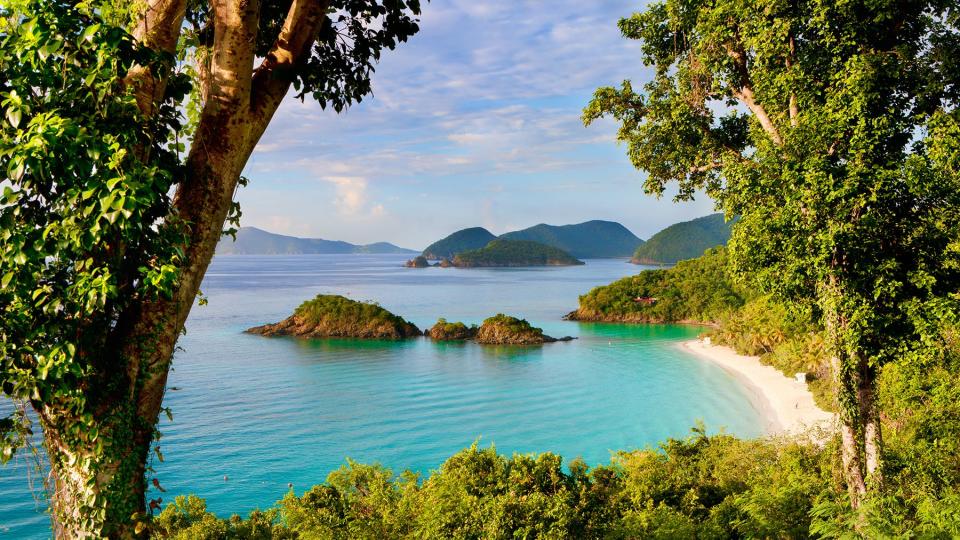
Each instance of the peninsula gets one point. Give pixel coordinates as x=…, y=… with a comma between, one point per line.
x=698, y=290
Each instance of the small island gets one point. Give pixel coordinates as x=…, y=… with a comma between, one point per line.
x=447, y=331
x=514, y=253
x=497, y=330
x=334, y=316
x=418, y=262
x=506, y=330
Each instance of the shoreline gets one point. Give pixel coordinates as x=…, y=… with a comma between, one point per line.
x=786, y=406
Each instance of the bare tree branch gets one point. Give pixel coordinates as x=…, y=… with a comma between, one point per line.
x=272, y=78
x=744, y=92
x=158, y=29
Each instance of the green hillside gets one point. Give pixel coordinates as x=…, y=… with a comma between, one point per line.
x=591, y=239
x=686, y=240
x=462, y=240
x=695, y=290
x=254, y=241
x=514, y=253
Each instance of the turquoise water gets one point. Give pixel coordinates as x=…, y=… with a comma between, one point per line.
x=265, y=412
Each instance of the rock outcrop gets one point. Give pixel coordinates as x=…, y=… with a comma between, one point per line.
x=506, y=330
x=447, y=331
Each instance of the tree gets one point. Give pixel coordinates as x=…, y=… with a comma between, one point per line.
x=832, y=129
x=99, y=263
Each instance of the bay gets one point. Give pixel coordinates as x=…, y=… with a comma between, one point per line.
x=253, y=415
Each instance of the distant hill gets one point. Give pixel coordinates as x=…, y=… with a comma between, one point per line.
x=502, y=252
x=254, y=241
x=686, y=240
x=462, y=240
x=591, y=239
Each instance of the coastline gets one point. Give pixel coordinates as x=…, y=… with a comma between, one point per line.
x=786, y=405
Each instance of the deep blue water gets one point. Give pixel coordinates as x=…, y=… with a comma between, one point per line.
x=265, y=412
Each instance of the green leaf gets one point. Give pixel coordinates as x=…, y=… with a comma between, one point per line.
x=6, y=280
x=89, y=32
x=13, y=116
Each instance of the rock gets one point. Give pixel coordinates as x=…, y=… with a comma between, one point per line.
x=417, y=262
x=446, y=331
x=506, y=330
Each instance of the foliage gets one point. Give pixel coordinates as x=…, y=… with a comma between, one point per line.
x=783, y=338
x=106, y=231
x=187, y=519
x=514, y=253
x=696, y=290
x=686, y=240
x=703, y=486
x=83, y=239
x=831, y=129
x=591, y=239
x=462, y=240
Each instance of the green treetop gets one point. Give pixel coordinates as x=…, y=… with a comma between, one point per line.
x=831, y=129
x=112, y=203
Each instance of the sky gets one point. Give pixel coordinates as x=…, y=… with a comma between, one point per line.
x=474, y=122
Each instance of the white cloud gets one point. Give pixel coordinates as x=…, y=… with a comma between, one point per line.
x=486, y=97
x=351, y=193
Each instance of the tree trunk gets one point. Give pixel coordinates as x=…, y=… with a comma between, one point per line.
x=872, y=437
x=855, y=383
x=97, y=495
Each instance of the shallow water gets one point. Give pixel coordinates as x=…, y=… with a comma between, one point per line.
x=265, y=412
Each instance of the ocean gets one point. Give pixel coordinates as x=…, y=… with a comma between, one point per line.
x=253, y=415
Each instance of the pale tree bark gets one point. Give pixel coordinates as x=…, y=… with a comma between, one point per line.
x=238, y=106
x=855, y=383
x=742, y=89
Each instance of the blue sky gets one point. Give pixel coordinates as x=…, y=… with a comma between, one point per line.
x=475, y=121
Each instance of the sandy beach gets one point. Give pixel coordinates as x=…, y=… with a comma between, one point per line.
x=786, y=404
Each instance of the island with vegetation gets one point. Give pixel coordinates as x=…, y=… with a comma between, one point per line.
x=334, y=316
x=417, y=262
x=460, y=241
x=685, y=240
x=506, y=330
x=254, y=241
x=514, y=253
x=594, y=239
x=451, y=331
x=497, y=330
x=590, y=239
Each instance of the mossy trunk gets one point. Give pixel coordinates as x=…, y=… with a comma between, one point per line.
x=98, y=457
x=855, y=383
x=97, y=477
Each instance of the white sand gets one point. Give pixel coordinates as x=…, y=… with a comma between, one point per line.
x=785, y=403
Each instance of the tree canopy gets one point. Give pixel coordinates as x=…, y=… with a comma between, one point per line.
x=831, y=129
x=125, y=130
